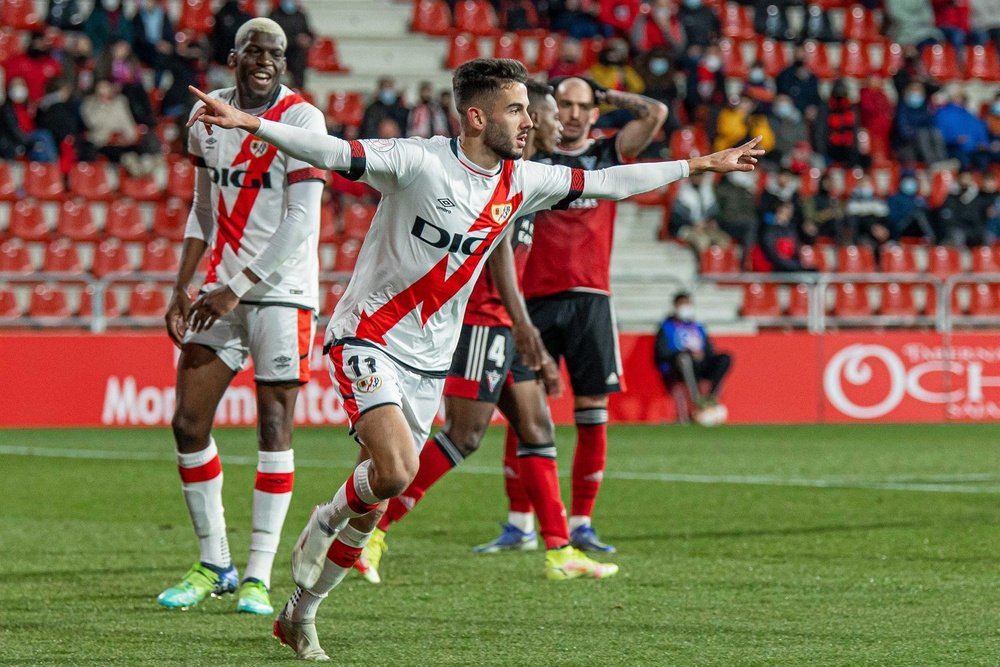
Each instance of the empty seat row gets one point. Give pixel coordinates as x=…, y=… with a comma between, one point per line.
x=51, y=302
x=89, y=180
x=77, y=219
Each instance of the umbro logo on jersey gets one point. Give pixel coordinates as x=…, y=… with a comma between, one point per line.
x=447, y=203
x=210, y=142
x=439, y=237
x=282, y=361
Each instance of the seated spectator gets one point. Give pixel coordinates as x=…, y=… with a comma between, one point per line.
x=121, y=67
x=823, y=215
x=962, y=218
x=875, y=113
x=965, y=135
x=19, y=134
x=613, y=72
x=386, y=103
x=34, y=67
x=693, y=217
x=570, y=61
x=992, y=120
x=576, y=18
x=816, y=25
x=654, y=68
x=985, y=21
x=700, y=23
x=779, y=190
x=798, y=82
x=911, y=22
x=952, y=18
x=188, y=63
x=517, y=15
x=154, y=37
x=770, y=19
x=113, y=130
x=777, y=248
x=661, y=29
x=293, y=20
x=427, y=119
x=228, y=20
x=736, y=195
x=107, y=23
x=908, y=214
x=759, y=86
x=867, y=215
x=64, y=14
x=706, y=86
x=802, y=158
x=59, y=113
x=684, y=353
x=913, y=70
x=741, y=121
x=842, y=128
x=914, y=136
x=788, y=128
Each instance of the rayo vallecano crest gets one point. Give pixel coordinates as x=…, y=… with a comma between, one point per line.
x=501, y=212
x=258, y=147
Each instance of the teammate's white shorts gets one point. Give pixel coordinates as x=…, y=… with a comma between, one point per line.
x=278, y=337
x=368, y=378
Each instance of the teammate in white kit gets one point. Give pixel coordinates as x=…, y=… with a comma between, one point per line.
x=258, y=208
x=445, y=206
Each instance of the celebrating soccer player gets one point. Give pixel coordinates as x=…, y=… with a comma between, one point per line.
x=446, y=205
x=258, y=208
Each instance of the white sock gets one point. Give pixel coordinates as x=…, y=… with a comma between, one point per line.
x=349, y=542
x=523, y=521
x=271, y=496
x=577, y=521
x=354, y=498
x=201, y=482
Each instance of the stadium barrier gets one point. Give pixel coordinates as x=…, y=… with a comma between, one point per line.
x=778, y=377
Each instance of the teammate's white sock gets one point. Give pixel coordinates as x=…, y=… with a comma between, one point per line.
x=577, y=521
x=354, y=498
x=271, y=496
x=523, y=521
x=201, y=482
x=340, y=560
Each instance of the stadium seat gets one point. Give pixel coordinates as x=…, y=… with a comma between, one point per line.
x=431, y=17
x=197, y=16
x=347, y=255
x=86, y=307
x=48, y=301
x=20, y=15
x=332, y=298
x=170, y=219
x=9, y=307
x=124, y=221
x=798, y=301
x=463, y=48
x=982, y=62
x=851, y=300
x=248, y=7
x=27, y=221
x=930, y=301
x=855, y=61
x=43, y=180
x=61, y=256
x=110, y=257
x=897, y=259
x=813, y=258
x=689, y=142
x=941, y=184
x=476, y=17
x=985, y=259
x=943, y=261
x=736, y=22
x=941, y=63
x=14, y=257
x=771, y=55
x=346, y=108
x=760, y=300
x=159, y=255
x=860, y=25
x=715, y=259
x=818, y=60
x=10, y=43
x=147, y=300
x=180, y=179
x=8, y=188
x=76, y=221
x=357, y=220
x=323, y=57
x=508, y=45
x=985, y=300
x=90, y=180
x=592, y=47
x=896, y=299
x=548, y=53
x=892, y=60
x=140, y=188
x=733, y=63
x=327, y=225
x=855, y=259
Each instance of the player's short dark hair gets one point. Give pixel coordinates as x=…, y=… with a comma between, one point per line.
x=484, y=77
x=537, y=92
x=681, y=296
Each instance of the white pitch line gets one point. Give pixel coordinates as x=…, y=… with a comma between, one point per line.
x=925, y=484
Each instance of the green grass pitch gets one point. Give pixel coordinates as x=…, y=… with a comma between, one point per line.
x=836, y=545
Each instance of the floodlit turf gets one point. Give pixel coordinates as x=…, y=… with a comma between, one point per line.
x=853, y=545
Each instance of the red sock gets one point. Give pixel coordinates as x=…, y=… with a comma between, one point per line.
x=589, y=458
x=540, y=479
x=516, y=495
x=438, y=456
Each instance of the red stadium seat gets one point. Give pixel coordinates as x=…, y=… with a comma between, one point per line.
x=771, y=56
x=897, y=259
x=110, y=257
x=463, y=48
x=431, y=17
x=930, y=302
x=140, y=188
x=798, y=301
x=10, y=44
x=347, y=255
x=170, y=219
x=125, y=222
x=147, y=300
x=20, y=15
x=9, y=307
x=851, y=300
x=346, y=108
x=333, y=296
x=941, y=63
x=248, y=7
x=548, y=53
x=892, y=59
x=985, y=300
x=943, y=261
x=688, y=142
x=508, y=46
x=736, y=22
x=854, y=60
x=813, y=258
x=733, y=63
x=14, y=257
x=197, y=16
x=323, y=57
x=48, y=301
x=809, y=182
x=327, y=225
x=591, y=50
x=985, y=259
x=760, y=300
x=8, y=188
x=941, y=184
x=86, y=307
x=27, y=221
x=476, y=17
x=818, y=60
x=43, y=180
x=90, y=180
x=76, y=221
x=896, y=299
x=860, y=25
x=855, y=259
x=180, y=179
x=983, y=63
x=159, y=255
x=719, y=260
x=61, y=257
x=357, y=220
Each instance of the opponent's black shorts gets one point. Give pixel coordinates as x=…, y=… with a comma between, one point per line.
x=484, y=362
x=580, y=326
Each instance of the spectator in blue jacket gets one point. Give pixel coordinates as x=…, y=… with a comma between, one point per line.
x=965, y=136
x=908, y=214
x=914, y=136
x=684, y=353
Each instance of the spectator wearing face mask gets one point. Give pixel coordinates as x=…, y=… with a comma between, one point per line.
x=293, y=20
x=655, y=70
x=706, y=86
x=613, y=71
x=914, y=136
x=789, y=129
x=908, y=214
x=868, y=215
x=841, y=127
x=736, y=197
x=759, y=86
x=965, y=135
x=427, y=119
x=34, y=67
x=700, y=23
x=913, y=70
x=962, y=218
x=799, y=83
x=19, y=134
x=823, y=215
x=386, y=103
x=875, y=113
x=107, y=23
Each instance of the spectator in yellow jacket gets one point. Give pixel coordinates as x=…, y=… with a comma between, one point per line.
x=740, y=120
